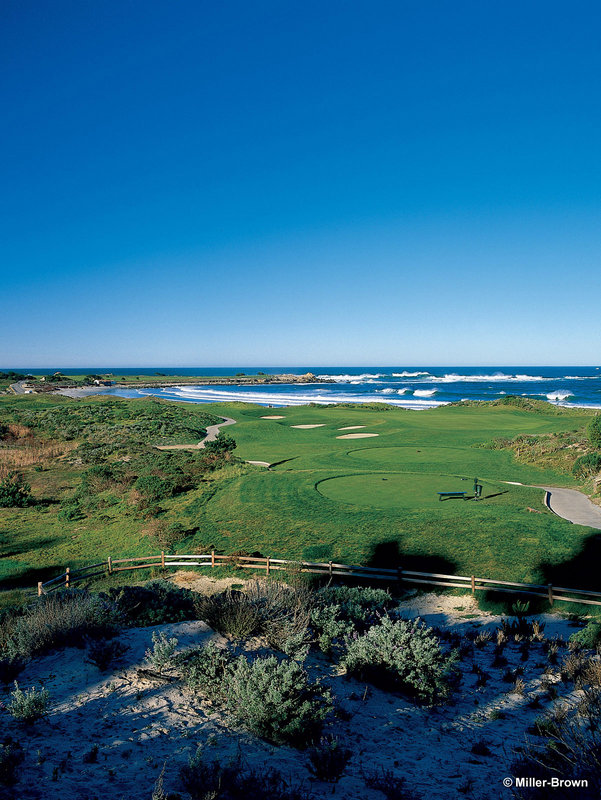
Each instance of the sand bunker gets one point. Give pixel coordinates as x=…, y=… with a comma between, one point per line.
x=351, y=427
x=357, y=435
x=273, y=416
x=306, y=427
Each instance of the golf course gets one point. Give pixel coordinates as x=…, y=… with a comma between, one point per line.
x=353, y=484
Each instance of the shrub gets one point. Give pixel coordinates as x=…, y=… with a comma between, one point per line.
x=594, y=431
x=70, y=511
x=57, y=620
x=231, y=612
x=11, y=756
x=153, y=488
x=204, y=670
x=385, y=781
x=222, y=445
x=162, y=651
x=275, y=700
x=14, y=491
x=328, y=759
x=587, y=466
x=405, y=655
x=103, y=653
x=157, y=603
x=29, y=705
x=206, y=779
x=330, y=627
x=165, y=534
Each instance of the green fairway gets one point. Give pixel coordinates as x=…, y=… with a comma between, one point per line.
x=365, y=500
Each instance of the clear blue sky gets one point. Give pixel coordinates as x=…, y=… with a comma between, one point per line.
x=327, y=183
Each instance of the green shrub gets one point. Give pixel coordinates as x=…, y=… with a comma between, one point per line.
x=328, y=760
x=330, y=627
x=70, y=511
x=205, y=779
x=587, y=466
x=160, y=656
x=274, y=700
x=156, y=603
x=57, y=620
x=594, y=431
x=588, y=637
x=14, y=491
x=404, y=655
x=153, y=489
x=103, y=653
x=29, y=705
x=231, y=613
x=222, y=445
x=204, y=670
x=11, y=756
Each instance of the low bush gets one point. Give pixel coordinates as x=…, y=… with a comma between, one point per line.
x=231, y=613
x=404, y=655
x=588, y=637
x=587, y=466
x=274, y=700
x=14, y=491
x=328, y=760
x=205, y=779
x=330, y=628
x=391, y=786
x=57, y=620
x=11, y=757
x=160, y=656
x=156, y=603
x=103, y=653
x=29, y=705
x=204, y=670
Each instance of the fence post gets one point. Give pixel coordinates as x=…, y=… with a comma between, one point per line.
x=473, y=585
x=330, y=568
x=109, y=561
x=212, y=558
x=39, y=588
x=267, y=565
x=67, y=578
x=162, y=559
x=550, y=588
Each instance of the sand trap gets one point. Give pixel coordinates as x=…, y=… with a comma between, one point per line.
x=273, y=416
x=351, y=427
x=357, y=435
x=306, y=427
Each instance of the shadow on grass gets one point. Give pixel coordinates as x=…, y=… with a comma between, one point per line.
x=390, y=555
x=28, y=577
x=10, y=548
x=581, y=571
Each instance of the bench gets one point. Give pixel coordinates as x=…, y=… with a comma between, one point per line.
x=451, y=494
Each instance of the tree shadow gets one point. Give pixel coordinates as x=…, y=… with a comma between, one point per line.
x=579, y=572
x=28, y=577
x=9, y=547
x=390, y=555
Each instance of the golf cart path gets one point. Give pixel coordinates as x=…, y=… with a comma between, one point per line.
x=569, y=504
x=212, y=433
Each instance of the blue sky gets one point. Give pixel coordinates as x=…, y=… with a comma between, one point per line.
x=343, y=183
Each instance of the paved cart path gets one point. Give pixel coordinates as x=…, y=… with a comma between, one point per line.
x=573, y=506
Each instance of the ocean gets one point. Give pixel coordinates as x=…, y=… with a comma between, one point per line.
x=409, y=387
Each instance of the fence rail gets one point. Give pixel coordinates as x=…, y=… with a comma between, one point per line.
x=331, y=569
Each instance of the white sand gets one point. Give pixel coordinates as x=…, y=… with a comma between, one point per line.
x=357, y=435
x=139, y=724
x=352, y=427
x=306, y=427
x=273, y=416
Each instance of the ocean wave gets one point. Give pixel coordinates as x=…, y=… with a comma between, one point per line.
x=352, y=378
x=497, y=377
x=559, y=395
x=424, y=392
x=408, y=374
x=386, y=391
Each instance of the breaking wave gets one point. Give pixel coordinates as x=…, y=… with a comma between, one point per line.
x=559, y=395
x=424, y=392
x=408, y=374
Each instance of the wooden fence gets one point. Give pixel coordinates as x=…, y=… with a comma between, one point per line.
x=328, y=569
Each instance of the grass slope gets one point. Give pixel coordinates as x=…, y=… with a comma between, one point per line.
x=352, y=500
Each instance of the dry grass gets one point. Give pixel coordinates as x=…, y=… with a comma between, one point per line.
x=20, y=449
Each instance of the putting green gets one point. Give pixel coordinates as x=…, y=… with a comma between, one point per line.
x=406, y=490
